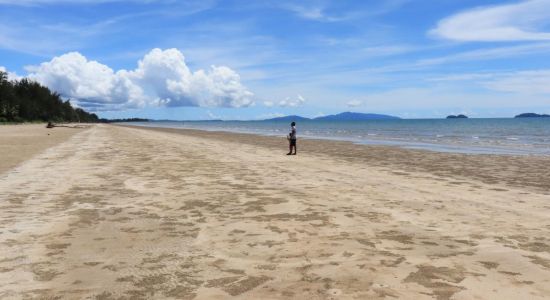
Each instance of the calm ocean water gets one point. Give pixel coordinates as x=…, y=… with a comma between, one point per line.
x=490, y=136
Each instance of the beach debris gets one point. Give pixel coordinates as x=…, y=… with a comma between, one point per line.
x=52, y=125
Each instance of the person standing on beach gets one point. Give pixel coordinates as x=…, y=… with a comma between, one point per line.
x=292, y=139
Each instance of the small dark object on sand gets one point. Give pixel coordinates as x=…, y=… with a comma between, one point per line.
x=50, y=125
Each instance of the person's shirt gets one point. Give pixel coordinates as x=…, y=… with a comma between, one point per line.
x=293, y=133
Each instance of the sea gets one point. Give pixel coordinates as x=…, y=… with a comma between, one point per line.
x=520, y=136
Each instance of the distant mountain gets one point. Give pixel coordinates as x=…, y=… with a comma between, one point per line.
x=345, y=116
x=288, y=118
x=457, y=117
x=353, y=116
x=532, y=115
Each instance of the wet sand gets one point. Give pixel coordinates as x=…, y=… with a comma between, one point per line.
x=129, y=213
x=526, y=171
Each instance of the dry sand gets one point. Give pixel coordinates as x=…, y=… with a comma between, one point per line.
x=127, y=213
x=20, y=142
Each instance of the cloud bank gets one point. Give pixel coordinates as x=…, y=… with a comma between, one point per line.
x=162, y=78
x=523, y=21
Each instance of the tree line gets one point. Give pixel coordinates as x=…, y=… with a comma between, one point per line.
x=27, y=101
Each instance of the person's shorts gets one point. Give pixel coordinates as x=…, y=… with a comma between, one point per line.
x=292, y=142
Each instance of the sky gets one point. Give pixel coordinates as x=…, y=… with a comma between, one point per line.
x=240, y=59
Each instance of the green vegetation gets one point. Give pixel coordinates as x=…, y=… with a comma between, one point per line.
x=28, y=101
x=123, y=120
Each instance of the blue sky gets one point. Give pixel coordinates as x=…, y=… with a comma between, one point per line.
x=167, y=59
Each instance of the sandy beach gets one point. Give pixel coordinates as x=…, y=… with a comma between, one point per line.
x=113, y=212
x=21, y=142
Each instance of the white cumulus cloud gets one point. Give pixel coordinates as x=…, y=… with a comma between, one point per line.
x=162, y=77
x=522, y=21
x=354, y=103
x=270, y=116
x=292, y=102
x=11, y=75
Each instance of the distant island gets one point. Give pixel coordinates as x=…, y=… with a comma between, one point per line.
x=532, y=115
x=123, y=120
x=345, y=116
x=457, y=117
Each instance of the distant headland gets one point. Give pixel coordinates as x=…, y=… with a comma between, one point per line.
x=532, y=115
x=457, y=117
x=123, y=120
x=345, y=116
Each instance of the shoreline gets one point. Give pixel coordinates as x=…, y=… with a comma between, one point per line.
x=514, y=170
x=470, y=142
